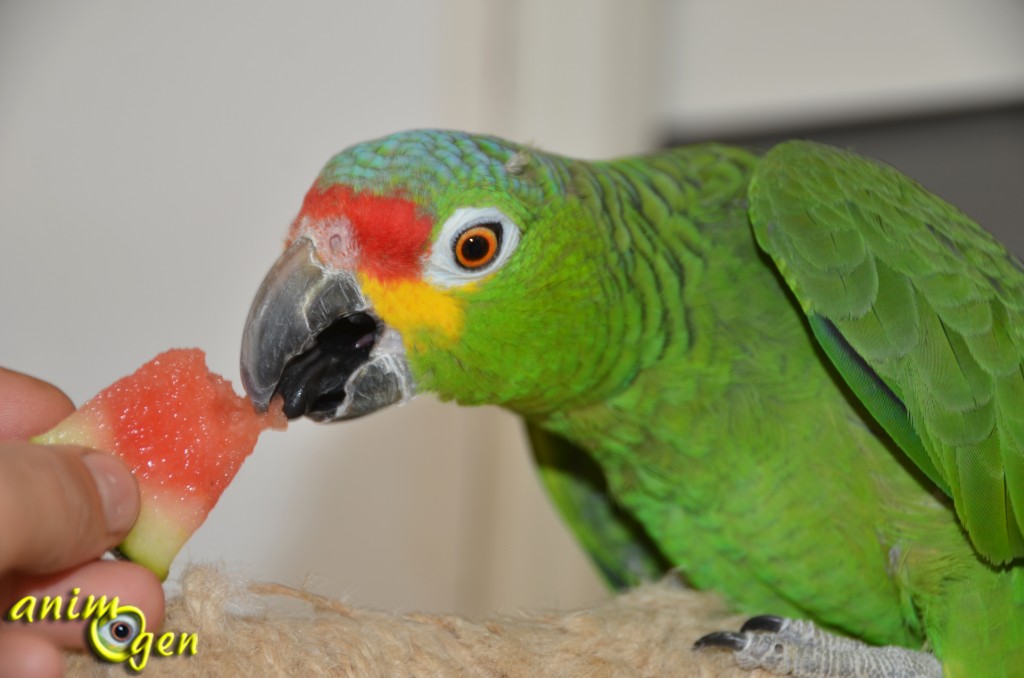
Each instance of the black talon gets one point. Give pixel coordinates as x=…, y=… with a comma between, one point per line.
x=764, y=622
x=726, y=639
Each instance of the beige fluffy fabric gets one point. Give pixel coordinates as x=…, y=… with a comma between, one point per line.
x=245, y=630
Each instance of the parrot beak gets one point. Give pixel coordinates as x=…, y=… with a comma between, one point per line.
x=312, y=337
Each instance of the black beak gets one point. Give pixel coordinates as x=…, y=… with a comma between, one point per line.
x=312, y=337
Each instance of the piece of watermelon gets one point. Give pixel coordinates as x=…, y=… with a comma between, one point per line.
x=183, y=431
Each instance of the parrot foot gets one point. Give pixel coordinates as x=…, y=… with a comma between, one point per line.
x=798, y=648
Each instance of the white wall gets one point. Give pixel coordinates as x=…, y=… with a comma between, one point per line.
x=754, y=64
x=153, y=153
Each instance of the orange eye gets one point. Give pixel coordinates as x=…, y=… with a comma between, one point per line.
x=478, y=245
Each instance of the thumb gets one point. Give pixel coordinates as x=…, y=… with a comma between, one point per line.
x=61, y=506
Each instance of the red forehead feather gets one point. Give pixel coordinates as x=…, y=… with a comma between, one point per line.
x=390, y=233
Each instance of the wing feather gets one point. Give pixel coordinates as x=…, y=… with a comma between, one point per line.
x=922, y=315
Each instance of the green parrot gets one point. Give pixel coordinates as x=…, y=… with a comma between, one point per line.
x=795, y=377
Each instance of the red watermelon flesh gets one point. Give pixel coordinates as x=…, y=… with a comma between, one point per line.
x=183, y=431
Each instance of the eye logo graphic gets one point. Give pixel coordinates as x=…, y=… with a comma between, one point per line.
x=116, y=633
x=122, y=636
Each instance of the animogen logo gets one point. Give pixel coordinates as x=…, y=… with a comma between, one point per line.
x=116, y=632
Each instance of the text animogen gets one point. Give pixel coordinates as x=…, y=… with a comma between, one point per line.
x=116, y=632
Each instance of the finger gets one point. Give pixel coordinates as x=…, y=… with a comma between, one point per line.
x=131, y=584
x=29, y=406
x=26, y=655
x=61, y=506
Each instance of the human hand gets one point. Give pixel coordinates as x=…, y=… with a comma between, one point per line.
x=60, y=509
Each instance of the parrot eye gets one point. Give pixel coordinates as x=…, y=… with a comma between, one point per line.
x=473, y=243
x=478, y=245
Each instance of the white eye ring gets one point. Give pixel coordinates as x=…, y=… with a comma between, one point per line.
x=443, y=270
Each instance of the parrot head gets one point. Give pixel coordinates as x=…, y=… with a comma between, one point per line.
x=427, y=261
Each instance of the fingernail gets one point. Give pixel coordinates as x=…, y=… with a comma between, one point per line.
x=117, y=490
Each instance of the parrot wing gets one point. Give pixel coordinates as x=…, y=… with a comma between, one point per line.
x=919, y=310
x=615, y=542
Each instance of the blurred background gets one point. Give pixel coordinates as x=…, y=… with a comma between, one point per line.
x=152, y=155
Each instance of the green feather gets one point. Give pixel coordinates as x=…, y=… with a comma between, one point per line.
x=930, y=247
x=615, y=541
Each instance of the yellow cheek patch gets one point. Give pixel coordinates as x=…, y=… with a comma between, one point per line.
x=413, y=307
